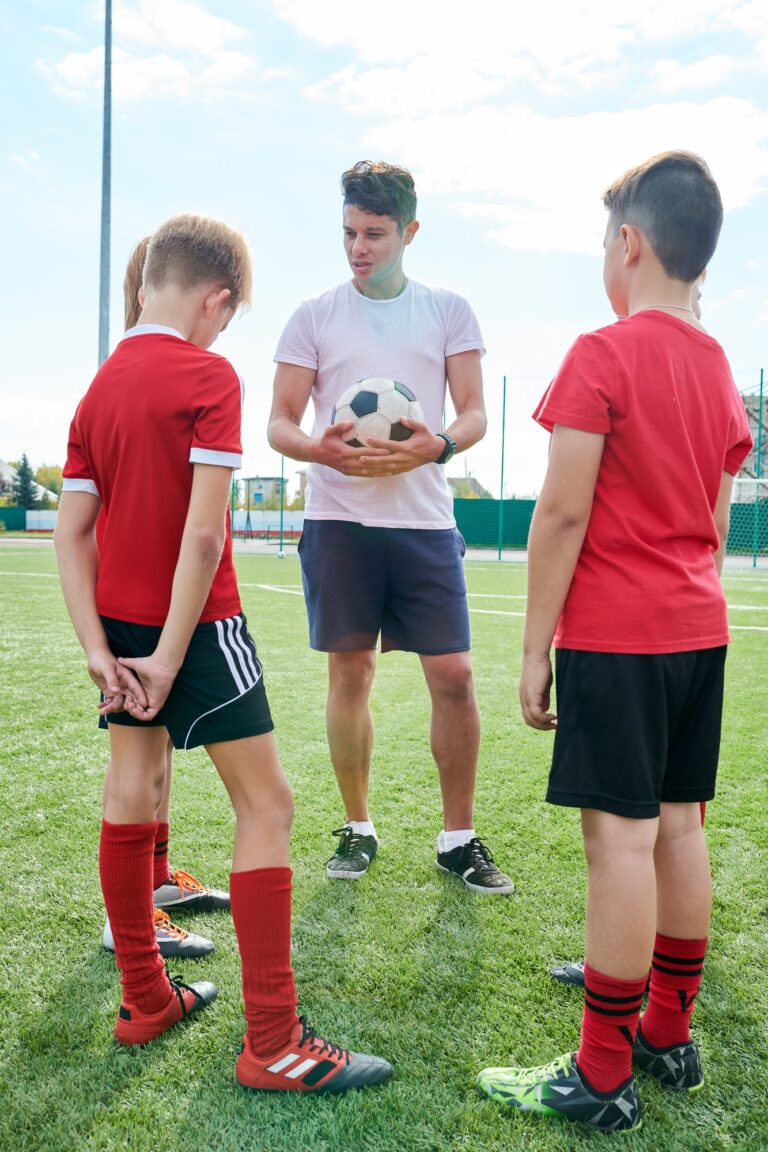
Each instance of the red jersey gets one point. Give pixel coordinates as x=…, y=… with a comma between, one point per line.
x=156, y=407
x=662, y=393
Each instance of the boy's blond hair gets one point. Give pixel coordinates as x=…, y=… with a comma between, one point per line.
x=190, y=250
x=675, y=201
x=133, y=280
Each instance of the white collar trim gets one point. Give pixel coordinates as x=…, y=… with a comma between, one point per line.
x=151, y=330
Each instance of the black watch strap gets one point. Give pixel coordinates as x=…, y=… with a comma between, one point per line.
x=448, y=451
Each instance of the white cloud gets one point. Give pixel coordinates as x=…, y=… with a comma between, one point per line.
x=177, y=24
x=538, y=179
x=162, y=49
x=672, y=77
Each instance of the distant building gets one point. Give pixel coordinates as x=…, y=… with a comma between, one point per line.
x=8, y=475
x=468, y=488
x=262, y=489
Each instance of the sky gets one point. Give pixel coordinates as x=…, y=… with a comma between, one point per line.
x=513, y=119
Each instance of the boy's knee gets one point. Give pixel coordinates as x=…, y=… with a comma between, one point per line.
x=351, y=673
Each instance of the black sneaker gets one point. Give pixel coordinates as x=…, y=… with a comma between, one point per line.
x=570, y=973
x=677, y=1067
x=557, y=1089
x=353, y=856
x=474, y=864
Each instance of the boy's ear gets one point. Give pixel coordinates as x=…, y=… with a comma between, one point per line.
x=410, y=231
x=215, y=299
x=632, y=239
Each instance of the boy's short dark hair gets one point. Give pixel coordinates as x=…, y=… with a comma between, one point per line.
x=381, y=189
x=675, y=201
x=191, y=250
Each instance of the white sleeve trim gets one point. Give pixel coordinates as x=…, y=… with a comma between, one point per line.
x=72, y=485
x=208, y=456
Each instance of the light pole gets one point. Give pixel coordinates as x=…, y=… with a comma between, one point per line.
x=106, y=188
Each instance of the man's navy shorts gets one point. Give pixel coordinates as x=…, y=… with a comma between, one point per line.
x=406, y=584
x=636, y=730
x=218, y=694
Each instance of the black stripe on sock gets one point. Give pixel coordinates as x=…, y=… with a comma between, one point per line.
x=676, y=971
x=161, y=847
x=678, y=959
x=612, y=999
x=614, y=1011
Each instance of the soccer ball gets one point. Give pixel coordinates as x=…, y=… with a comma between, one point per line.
x=376, y=407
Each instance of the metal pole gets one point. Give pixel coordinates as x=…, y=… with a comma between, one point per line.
x=758, y=453
x=281, y=553
x=501, y=482
x=106, y=189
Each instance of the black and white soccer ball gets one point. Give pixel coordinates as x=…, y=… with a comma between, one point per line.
x=376, y=406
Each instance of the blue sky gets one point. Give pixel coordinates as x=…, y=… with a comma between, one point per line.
x=513, y=119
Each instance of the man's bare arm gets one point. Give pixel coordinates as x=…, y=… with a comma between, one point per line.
x=291, y=392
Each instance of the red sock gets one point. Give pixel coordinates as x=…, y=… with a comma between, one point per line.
x=125, y=866
x=675, y=979
x=261, y=911
x=608, y=1027
x=160, y=870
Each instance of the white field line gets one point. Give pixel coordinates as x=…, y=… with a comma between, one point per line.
x=43, y=575
x=295, y=590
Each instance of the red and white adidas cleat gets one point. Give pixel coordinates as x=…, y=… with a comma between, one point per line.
x=136, y=1027
x=308, y=1063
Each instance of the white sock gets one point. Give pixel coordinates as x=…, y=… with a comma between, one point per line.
x=456, y=839
x=362, y=827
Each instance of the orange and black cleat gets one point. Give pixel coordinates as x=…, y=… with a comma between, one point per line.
x=136, y=1027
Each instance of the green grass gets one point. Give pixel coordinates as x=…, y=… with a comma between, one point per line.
x=405, y=963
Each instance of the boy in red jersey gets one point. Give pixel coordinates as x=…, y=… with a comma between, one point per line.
x=172, y=890
x=624, y=557
x=158, y=614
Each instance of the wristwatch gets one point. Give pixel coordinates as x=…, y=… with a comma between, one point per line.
x=448, y=451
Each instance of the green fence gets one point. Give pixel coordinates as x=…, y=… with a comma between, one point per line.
x=15, y=519
x=478, y=522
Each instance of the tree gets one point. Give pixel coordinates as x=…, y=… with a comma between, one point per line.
x=24, y=492
x=49, y=476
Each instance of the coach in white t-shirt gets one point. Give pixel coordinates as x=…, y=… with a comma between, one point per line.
x=380, y=551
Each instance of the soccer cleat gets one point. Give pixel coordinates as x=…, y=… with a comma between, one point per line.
x=473, y=863
x=308, y=1063
x=135, y=1027
x=677, y=1067
x=184, y=891
x=571, y=973
x=557, y=1089
x=353, y=856
x=171, y=940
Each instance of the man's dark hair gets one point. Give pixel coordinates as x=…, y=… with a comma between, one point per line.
x=675, y=201
x=381, y=189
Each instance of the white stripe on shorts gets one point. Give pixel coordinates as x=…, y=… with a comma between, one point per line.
x=232, y=648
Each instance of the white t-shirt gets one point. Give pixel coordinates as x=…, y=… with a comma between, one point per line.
x=347, y=337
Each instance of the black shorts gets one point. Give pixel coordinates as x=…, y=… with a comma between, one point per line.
x=635, y=730
x=406, y=583
x=218, y=694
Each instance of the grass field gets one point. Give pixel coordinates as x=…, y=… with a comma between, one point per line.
x=405, y=963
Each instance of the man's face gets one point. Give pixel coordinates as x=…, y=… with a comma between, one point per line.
x=373, y=244
x=614, y=270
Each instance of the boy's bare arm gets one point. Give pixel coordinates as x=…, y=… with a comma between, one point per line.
x=557, y=533
x=291, y=392
x=77, y=557
x=723, y=518
x=199, y=556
